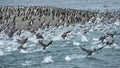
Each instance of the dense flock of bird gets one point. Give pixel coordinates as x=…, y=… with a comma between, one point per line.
x=64, y=24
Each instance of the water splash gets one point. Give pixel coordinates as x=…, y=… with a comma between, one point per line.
x=1, y=53
x=84, y=38
x=23, y=51
x=58, y=37
x=95, y=39
x=75, y=56
x=33, y=39
x=76, y=43
x=27, y=63
x=47, y=59
x=1, y=43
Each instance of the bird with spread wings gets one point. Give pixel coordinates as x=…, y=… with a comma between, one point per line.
x=45, y=45
x=91, y=52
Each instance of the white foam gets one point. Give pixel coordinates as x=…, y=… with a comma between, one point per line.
x=76, y=43
x=58, y=37
x=96, y=42
x=26, y=33
x=23, y=51
x=47, y=59
x=117, y=23
x=68, y=58
x=75, y=56
x=95, y=39
x=1, y=43
x=63, y=45
x=113, y=46
x=27, y=63
x=84, y=38
x=1, y=53
x=8, y=49
x=33, y=39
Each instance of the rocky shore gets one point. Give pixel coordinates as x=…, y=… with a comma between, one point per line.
x=27, y=17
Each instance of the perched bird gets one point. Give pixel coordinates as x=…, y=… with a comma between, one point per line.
x=14, y=20
x=45, y=45
x=91, y=52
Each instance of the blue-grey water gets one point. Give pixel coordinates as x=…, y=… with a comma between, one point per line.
x=63, y=53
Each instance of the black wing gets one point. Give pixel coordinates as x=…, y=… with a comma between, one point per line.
x=86, y=50
x=21, y=47
x=68, y=31
x=19, y=41
x=39, y=36
x=41, y=43
x=24, y=40
x=65, y=34
x=100, y=48
x=49, y=43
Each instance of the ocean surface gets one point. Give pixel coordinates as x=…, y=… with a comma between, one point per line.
x=63, y=53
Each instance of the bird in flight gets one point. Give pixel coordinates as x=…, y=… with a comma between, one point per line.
x=91, y=52
x=45, y=45
x=38, y=35
x=21, y=47
x=22, y=41
x=65, y=34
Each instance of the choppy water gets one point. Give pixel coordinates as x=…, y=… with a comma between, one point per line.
x=62, y=53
